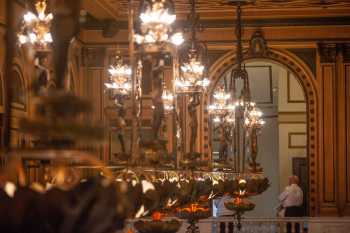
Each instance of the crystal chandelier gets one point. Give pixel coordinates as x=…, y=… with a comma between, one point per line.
x=157, y=23
x=36, y=28
x=221, y=106
x=120, y=77
x=192, y=70
x=253, y=117
x=192, y=75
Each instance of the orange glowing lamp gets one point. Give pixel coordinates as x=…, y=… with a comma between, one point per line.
x=157, y=216
x=237, y=201
x=193, y=208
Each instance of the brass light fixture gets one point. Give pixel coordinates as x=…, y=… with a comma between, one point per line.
x=221, y=108
x=36, y=27
x=157, y=20
x=238, y=108
x=192, y=77
x=120, y=77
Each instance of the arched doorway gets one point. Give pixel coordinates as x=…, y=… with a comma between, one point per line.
x=305, y=77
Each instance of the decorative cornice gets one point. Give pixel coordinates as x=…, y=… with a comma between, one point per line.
x=95, y=24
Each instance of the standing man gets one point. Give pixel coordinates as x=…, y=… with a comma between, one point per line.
x=222, y=211
x=292, y=200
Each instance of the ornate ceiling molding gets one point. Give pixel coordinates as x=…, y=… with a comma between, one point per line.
x=182, y=6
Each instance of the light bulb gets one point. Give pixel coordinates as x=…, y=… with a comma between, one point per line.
x=32, y=37
x=22, y=39
x=177, y=39
x=139, y=39
x=29, y=17
x=41, y=16
x=49, y=17
x=48, y=37
x=149, y=39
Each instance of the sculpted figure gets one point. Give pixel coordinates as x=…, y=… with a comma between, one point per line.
x=121, y=123
x=192, y=111
x=158, y=111
x=224, y=142
x=42, y=74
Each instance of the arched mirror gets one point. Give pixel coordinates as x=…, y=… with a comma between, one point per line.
x=282, y=143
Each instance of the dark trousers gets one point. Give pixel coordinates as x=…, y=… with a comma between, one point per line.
x=223, y=227
x=293, y=211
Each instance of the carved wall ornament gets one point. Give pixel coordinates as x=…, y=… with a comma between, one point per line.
x=257, y=45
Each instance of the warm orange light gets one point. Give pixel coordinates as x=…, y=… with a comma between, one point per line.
x=194, y=208
x=237, y=201
x=157, y=216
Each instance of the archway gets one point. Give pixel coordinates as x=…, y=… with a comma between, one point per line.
x=307, y=81
x=18, y=90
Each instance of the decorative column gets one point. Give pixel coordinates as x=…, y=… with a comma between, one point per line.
x=327, y=170
x=334, y=170
x=94, y=63
x=343, y=128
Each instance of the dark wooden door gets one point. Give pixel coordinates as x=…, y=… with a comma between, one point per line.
x=300, y=169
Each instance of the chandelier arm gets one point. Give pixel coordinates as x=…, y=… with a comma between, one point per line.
x=237, y=146
x=239, y=36
x=133, y=143
x=193, y=23
x=233, y=85
x=244, y=151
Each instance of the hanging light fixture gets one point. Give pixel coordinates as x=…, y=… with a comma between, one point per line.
x=246, y=121
x=253, y=117
x=36, y=27
x=244, y=111
x=192, y=76
x=221, y=106
x=120, y=77
x=157, y=20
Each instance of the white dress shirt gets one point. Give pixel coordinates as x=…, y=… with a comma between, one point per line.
x=291, y=196
x=220, y=206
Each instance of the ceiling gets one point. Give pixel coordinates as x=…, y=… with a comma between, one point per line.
x=118, y=9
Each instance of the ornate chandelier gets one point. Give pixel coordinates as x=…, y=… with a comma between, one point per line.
x=157, y=23
x=253, y=117
x=36, y=27
x=221, y=107
x=192, y=77
x=240, y=122
x=242, y=114
x=120, y=77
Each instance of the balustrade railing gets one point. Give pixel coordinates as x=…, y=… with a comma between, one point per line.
x=269, y=225
x=258, y=225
